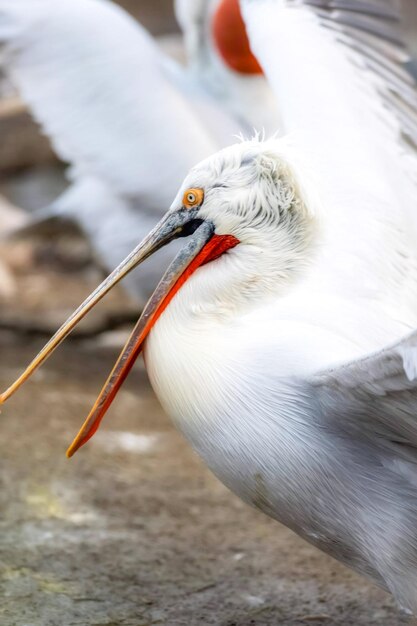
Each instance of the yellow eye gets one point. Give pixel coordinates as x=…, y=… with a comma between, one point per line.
x=192, y=198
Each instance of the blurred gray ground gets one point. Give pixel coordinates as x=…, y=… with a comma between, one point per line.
x=134, y=530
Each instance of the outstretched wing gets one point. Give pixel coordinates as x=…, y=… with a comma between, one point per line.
x=340, y=69
x=374, y=397
x=377, y=32
x=96, y=82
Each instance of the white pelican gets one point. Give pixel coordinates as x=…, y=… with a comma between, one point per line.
x=222, y=64
x=129, y=120
x=282, y=339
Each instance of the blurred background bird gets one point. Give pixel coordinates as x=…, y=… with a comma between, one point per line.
x=128, y=118
x=282, y=340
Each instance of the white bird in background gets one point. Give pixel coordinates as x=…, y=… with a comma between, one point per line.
x=282, y=339
x=222, y=65
x=129, y=120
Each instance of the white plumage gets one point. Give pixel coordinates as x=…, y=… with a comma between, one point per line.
x=273, y=359
x=343, y=120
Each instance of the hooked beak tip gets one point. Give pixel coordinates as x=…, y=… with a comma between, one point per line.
x=76, y=445
x=70, y=452
x=3, y=398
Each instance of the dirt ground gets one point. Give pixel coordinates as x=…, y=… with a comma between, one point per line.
x=134, y=530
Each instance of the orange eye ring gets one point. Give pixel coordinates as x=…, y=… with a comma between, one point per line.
x=192, y=198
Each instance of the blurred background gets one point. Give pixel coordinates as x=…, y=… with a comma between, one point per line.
x=43, y=275
x=134, y=530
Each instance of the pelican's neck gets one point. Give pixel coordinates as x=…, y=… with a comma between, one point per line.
x=195, y=351
x=185, y=355
x=204, y=366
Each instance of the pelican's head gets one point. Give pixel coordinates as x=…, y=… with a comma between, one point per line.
x=249, y=223
x=261, y=216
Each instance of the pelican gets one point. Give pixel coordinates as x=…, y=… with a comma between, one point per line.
x=282, y=338
x=128, y=119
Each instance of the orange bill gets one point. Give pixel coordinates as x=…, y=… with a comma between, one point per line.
x=175, y=277
x=203, y=246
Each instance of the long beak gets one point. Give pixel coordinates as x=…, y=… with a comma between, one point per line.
x=173, y=225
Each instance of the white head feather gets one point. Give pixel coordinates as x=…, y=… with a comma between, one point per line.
x=254, y=191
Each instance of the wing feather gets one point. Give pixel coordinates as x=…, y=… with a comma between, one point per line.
x=376, y=31
x=375, y=396
x=375, y=370
x=371, y=34
x=96, y=82
x=340, y=71
x=377, y=25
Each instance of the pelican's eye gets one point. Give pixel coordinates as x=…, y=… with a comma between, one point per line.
x=193, y=198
